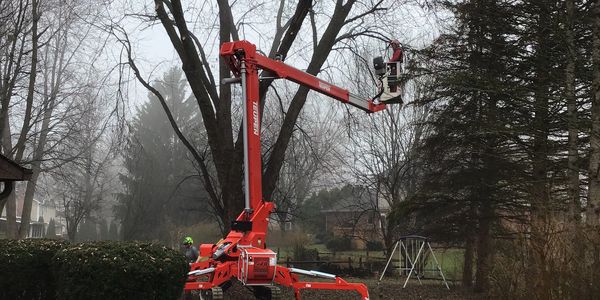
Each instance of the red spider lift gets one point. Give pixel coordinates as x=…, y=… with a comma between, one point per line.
x=243, y=253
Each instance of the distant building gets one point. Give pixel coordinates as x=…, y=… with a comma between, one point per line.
x=41, y=214
x=275, y=222
x=358, y=217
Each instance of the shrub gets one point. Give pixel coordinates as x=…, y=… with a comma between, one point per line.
x=323, y=236
x=339, y=244
x=119, y=270
x=374, y=245
x=288, y=239
x=561, y=264
x=301, y=253
x=25, y=268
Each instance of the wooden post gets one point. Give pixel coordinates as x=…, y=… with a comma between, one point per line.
x=349, y=262
x=287, y=262
x=360, y=262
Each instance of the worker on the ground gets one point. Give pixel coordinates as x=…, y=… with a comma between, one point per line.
x=191, y=252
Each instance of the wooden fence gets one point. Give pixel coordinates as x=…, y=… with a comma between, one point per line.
x=370, y=263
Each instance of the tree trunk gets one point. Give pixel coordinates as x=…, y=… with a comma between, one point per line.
x=483, y=248
x=541, y=208
x=20, y=146
x=7, y=190
x=12, y=68
x=328, y=40
x=71, y=233
x=37, y=162
x=11, y=216
x=573, y=169
x=593, y=207
x=28, y=201
x=467, y=275
x=467, y=278
x=32, y=184
x=11, y=200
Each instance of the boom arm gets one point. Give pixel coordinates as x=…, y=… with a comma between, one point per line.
x=284, y=71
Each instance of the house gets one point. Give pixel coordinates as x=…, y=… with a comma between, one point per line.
x=10, y=172
x=41, y=214
x=275, y=221
x=358, y=217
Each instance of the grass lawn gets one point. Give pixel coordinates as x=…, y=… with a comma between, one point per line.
x=450, y=259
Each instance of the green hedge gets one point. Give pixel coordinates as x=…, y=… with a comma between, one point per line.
x=375, y=245
x=25, y=269
x=126, y=270
x=341, y=243
x=53, y=269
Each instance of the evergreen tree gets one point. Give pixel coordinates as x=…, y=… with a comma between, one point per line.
x=103, y=230
x=113, y=232
x=161, y=183
x=311, y=216
x=504, y=83
x=51, y=231
x=87, y=231
x=461, y=193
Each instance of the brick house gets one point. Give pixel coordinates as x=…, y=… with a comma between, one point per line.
x=358, y=217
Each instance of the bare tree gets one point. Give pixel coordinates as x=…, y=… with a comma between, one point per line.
x=59, y=100
x=84, y=186
x=215, y=102
x=47, y=63
x=310, y=156
x=384, y=159
x=17, y=17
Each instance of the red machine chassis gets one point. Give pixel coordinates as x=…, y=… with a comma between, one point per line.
x=283, y=277
x=250, y=228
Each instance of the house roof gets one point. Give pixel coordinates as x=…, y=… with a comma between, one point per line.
x=355, y=203
x=11, y=171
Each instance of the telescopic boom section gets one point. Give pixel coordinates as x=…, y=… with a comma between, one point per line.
x=284, y=71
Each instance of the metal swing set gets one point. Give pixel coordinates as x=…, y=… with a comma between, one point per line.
x=413, y=251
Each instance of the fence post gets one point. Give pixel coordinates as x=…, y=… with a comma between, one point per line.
x=360, y=262
x=287, y=262
x=349, y=262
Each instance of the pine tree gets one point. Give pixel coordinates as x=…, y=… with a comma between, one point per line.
x=161, y=184
x=51, y=231
x=87, y=231
x=103, y=229
x=113, y=232
x=461, y=192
